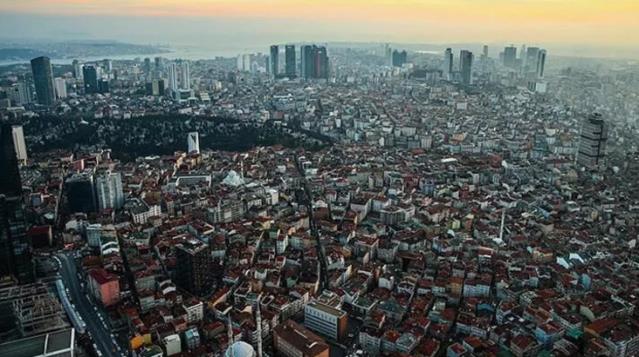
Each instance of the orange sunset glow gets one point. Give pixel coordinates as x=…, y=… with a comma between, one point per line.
x=569, y=21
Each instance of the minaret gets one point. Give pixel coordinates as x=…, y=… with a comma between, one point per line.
x=229, y=329
x=501, y=229
x=258, y=322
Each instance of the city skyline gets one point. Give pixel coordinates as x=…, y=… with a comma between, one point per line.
x=597, y=26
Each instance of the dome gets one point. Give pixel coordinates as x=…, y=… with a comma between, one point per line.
x=233, y=179
x=240, y=349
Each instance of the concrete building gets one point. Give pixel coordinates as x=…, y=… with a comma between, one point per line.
x=193, y=263
x=294, y=340
x=60, y=85
x=55, y=344
x=19, y=144
x=43, y=80
x=592, y=143
x=109, y=191
x=193, y=141
x=325, y=320
x=104, y=287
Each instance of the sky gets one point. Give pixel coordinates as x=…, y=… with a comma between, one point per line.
x=603, y=24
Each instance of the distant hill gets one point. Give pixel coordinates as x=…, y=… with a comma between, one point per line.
x=10, y=54
x=73, y=49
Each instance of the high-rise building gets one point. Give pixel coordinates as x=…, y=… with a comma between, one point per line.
x=321, y=62
x=77, y=69
x=306, y=61
x=193, y=266
x=80, y=190
x=19, y=144
x=314, y=62
x=15, y=246
x=388, y=55
x=510, y=57
x=466, y=67
x=592, y=143
x=108, y=65
x=158, y=64
x=90, y=75
x=399, y=58
x=147, y=66
x=109, y=191
x=20, y=93
x=448, y=64
x=10, y=183
x=157, y=87
x=530, y=63
x=103, y=85
x=185, y=75
x=485, y=51
x=43, y=80
x=60, y=85
x=246, y=62
x=289, y=56
x=275, y=60
x=173, y=77
x=541, y=63
x=193, y=142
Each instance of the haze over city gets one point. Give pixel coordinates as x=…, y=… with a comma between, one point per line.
x=280, y=178
x=593, y=28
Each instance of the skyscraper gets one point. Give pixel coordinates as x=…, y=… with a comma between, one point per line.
x=388, y=55
x=541, y=63
x=19, y=144
x=147, y=66
x=447, y=69
x=592, y=143
x=185, y=75
x=43, y=80
x=77, y=69
x=306, y=61
x=275, y=60
x=173, y=77
x=10, y=183
x=15, y=246
x=314, y=62
x=532, y=56
x=321, y=62
x=60, y=88
x=109, y=191
x=466, y=67
x=90, y=75
x=399, y=58
x=193, y=264
x=510, y=57
x=193, y=142
x=289, y=55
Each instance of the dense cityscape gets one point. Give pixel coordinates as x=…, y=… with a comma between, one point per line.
x=320, y=200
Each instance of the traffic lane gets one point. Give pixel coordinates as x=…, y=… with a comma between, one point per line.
x=101, y=337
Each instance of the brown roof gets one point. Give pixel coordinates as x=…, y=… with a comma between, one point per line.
x=301, y=338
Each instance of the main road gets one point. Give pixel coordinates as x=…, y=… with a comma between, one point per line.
x=101, y=336
x=314, y=232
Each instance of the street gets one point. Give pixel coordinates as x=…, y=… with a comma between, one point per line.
x=95, y=327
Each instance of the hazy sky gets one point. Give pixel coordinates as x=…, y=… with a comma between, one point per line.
x=578, y=22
